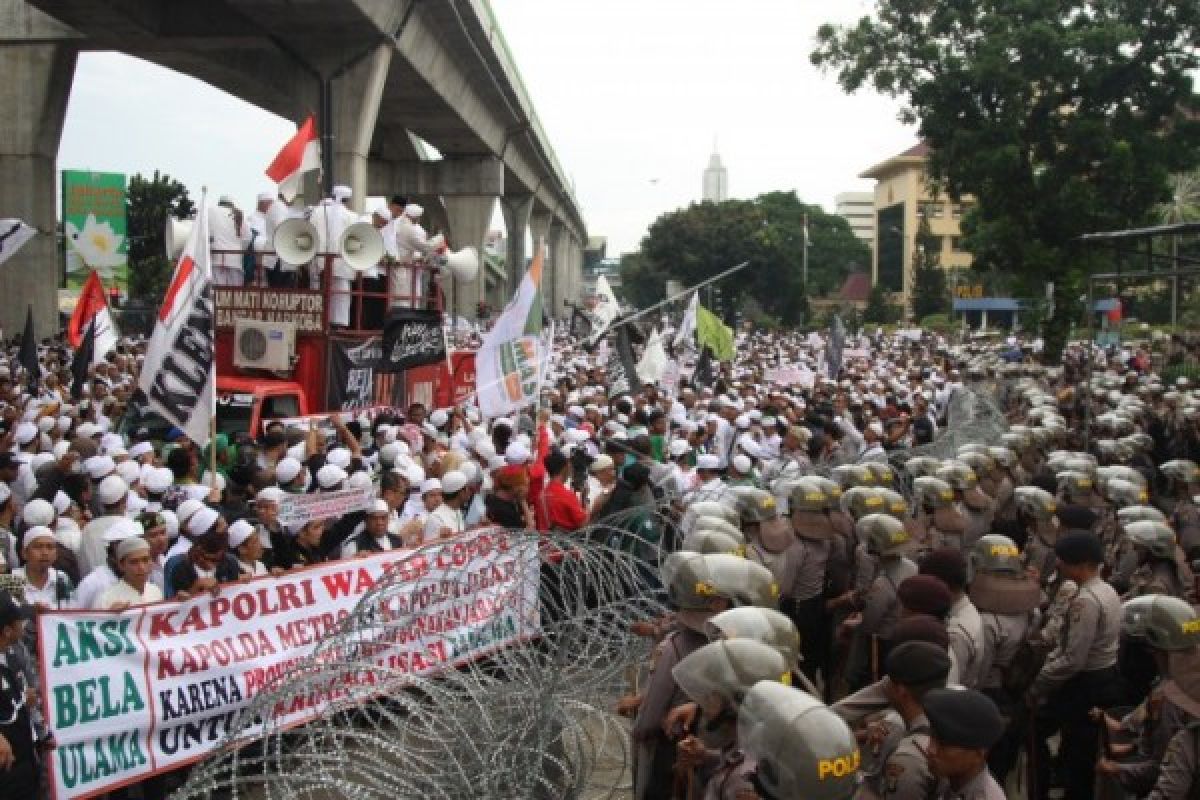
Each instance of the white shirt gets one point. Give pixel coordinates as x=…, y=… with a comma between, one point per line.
x=122, y=592
x=93, y=585
x=224, y=235
x=443, y=517
x=47, y=594
x=93, y=550
x=256, y=569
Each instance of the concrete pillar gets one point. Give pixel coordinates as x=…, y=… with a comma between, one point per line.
x=469, y=219
x=33, y=105
x=356, y=98
x=539, y=227
x=516, y=210
x=561, y=257
x=983, y=320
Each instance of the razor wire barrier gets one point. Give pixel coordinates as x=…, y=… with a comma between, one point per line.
x=531, y=720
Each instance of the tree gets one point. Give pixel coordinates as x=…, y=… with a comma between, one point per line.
x=704, y=239
x=1059, y=118
x=929, y=294
x=148, y=202
x=879, y=311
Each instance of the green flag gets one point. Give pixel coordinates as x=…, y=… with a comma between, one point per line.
x=711, y=332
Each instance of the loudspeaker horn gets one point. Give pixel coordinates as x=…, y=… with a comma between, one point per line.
x=295, y=241
x=176, y=236
x=361, y=246
x=463, y=265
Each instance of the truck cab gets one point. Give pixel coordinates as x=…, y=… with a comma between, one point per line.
x=244, y=404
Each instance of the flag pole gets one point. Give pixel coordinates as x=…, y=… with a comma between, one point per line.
x=671, y=299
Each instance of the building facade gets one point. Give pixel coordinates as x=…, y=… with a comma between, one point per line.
x=716, y=181
x=858, y=209
x=902, y=199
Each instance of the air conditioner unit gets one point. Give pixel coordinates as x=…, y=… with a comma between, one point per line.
x=263, y=345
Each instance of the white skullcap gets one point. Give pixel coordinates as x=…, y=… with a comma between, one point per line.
x=110, y=442
x=341, y=192
x=38, y=512
x=111, y=490
x=742, y=421
x=287, y=469
x=439, y=418
x=159, y=480
x=601, y=463
x=708, y=461
x=134, y=503
x=140, y=449
x=88, y=430
x=239, y=532
x=225, y=200
x=413, y=210
x=330, y=475
x=62, y=503
x=198, y=491
x=741, y=463
x=339, y=457
x=415, y=475
x=472, y=471
x=264, y=197
x=131, y=546
x=200, y=522
x=359, y=480
x=35, y=533
x=679, y=447
x=378, y=507
x=122, y=529
x=213, y=480
x=271, y=494
x=453, y=481
x=517, y=453
x=171, y=521
x=5, y=493
x=430, y=485
x=187, y=508
x=45, y=424
x=99, y=466
x=130, y=471
x=383, y=213
x=25, y=433
x=388, y=454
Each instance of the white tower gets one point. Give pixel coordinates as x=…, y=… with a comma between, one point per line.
x=716, y=180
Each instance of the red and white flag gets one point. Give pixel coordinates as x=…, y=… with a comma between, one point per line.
x=179, y=375
x=92, y=309
x=301, y=154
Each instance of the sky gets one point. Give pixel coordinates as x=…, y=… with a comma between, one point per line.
x=632, y=94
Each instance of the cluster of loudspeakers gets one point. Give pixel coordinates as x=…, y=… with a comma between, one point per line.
x=297, y=241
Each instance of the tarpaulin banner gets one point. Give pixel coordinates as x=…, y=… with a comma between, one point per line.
x=135, y=693
x=297, y=509
x=94, y=226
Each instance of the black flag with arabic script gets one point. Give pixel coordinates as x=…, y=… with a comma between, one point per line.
x=412, y=337
x=622, y=370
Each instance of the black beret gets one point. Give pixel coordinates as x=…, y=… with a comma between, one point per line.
x=1079, y=547
x=963, y=718
x=1076, y=517
x=921, y=628
x=948, y=564
x=925, y=594
x=916, y=663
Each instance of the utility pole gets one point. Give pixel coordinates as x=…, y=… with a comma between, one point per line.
x=804, y=256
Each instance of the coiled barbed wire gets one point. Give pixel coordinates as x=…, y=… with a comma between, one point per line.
x=530, y=720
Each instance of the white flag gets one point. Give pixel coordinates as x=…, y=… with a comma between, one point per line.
x=654, y=360
x=510, y=363
x=687, y=328
x=13, y=235
x=179, y=376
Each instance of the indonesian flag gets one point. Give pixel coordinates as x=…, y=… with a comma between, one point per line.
x=301, y=154
x=1114, y=313
x=179, y=375
x=92, y=309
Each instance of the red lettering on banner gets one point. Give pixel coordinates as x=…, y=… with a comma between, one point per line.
x=352, y=581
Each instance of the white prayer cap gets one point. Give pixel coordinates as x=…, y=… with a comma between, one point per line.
x=159, y=480
x=378, y=507
x=708, y=461
x=225, y=200
x=265, y=197
x=99, y=466
x=415, y=475
x=271, y=494
x=134, y=504
x=38, y=512
x=123, y=529
x=131, y=546
x=45, y=424
x=287, y=469
x=129, y=471
x=431, y=485
x=359, y=480
x=330, y=475
x=339, y=457
x=383, y=213
x=239, y=532
x=5, y=494
x=112, y=489
x=741, y=463
x=439, y=418
x=743, y=421
x=140, y=449
x=187, y=509
x=25, y=433
x=602, y=462
x=453, y=481
x=62, y=503
x=213, y=480
x=202, y=520
x=389, y=453
x=35, y=533
x=171, y=521
x=517, y=453
x=342, y=192
x=413, y=211
x=679, y=447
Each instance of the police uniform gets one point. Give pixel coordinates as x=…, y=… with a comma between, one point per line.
x=1179, y=777
x=982, y=787
x=906, y=774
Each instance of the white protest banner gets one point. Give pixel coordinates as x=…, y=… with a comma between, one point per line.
x=135, y=693
x=671, y=376
x=790, y=376
x=297, y=509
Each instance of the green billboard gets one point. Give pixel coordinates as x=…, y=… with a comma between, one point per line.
x=93, y=208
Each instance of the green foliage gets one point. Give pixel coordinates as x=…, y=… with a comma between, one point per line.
x=1060, y=118
x=940, y=323
x=147, y=204
x=930, y=294
x=706, y=238
x=879, y=310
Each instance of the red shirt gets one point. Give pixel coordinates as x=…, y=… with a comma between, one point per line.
x=559, y=509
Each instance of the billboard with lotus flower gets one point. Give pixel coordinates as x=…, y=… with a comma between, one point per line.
x=93, y=206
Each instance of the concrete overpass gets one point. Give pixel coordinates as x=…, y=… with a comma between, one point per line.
x=379, y=73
